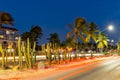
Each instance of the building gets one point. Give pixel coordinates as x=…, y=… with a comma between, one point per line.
x=8, y=37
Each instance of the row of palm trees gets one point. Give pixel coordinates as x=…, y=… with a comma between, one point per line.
x=85, y=32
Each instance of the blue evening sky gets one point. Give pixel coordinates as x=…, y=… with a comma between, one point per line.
x=54, y=15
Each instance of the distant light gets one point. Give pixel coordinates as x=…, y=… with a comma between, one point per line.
x=12, y=50
x=112, y=40
x=7, y=32
x=8, y=50
x=108, y=40
x=46, y=50
x=16, y=38
x=110, y=27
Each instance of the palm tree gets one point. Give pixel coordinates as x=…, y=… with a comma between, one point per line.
x=102, y=41
x=34, y=34
x=118, y=47
x=67, y=43
x=25, y=35
x=77, y=31
x=54, y=39
x=6, y=18
x=36, y=31
x=91, y=32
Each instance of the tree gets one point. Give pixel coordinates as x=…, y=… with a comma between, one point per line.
x=25, y=35
x=6, y=18
x=67, y=43
x=91, y=32
x=102, y=41
x=118, y=47
x=77, y=31
x=54, y=39
x=34, y=34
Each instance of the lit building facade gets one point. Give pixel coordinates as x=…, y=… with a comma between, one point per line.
x=8, y=37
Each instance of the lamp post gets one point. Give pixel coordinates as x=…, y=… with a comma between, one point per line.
x=110, y=27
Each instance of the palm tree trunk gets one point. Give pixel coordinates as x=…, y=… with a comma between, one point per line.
x=85, y=47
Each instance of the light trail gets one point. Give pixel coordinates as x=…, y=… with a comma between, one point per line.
x=43, y=57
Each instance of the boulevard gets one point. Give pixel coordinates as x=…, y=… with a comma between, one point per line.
x=106, y=70
x=97, y=69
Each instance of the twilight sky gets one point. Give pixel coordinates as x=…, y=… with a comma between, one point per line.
x=54, y=15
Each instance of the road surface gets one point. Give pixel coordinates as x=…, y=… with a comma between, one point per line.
x=99, y=70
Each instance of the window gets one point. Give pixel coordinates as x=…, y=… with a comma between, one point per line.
x=16, y=38
x=1, y=31
x=1, y=36
x=7, y=32
x=13, y=32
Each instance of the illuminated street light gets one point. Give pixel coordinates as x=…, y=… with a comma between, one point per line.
x=112, y=40
x=110, y=27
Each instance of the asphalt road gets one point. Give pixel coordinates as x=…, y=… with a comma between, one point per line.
x=102, y=70
x=108, y=70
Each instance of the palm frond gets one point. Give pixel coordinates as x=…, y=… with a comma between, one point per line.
x=69, y=34
x=71, y=26
x=87, y=38
x=6, y=18
x=94, y=37
x=105, y=43
x=100, y=45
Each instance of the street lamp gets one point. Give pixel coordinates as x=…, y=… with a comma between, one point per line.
x=112, y=40
x=110, y=27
